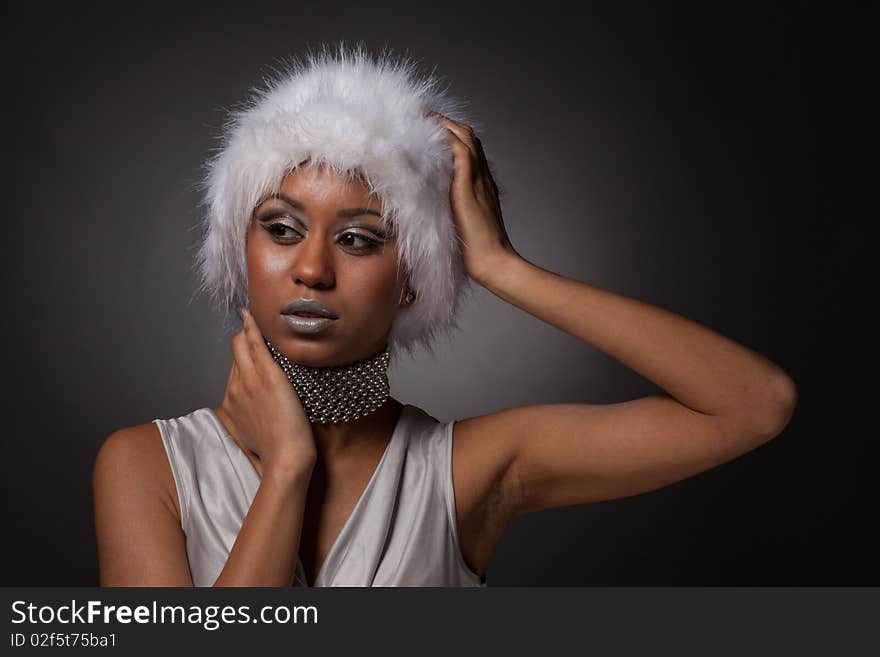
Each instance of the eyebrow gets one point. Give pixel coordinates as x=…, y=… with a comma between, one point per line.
x=352, y=212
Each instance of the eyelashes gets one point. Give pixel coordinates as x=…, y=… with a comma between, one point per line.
x=352, y=241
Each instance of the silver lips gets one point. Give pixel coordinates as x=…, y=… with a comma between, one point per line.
x=307, y=325
x=308, y=306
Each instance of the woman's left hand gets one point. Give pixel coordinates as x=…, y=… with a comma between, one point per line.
x=475, y=205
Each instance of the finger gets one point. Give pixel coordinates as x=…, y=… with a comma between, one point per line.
x=236, y=384
x=486, y=179
x=482, y=173
x=241, y=351
x=464, y=133
x=259, y=350
x=481, y=154
x=453, y=121
x=481, y=157
x=463, y=130
x=233, y=374
x=469, y=137
x=248, y=328
x=463, y=159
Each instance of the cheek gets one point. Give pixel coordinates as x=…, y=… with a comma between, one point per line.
x=265, y=275
x=373, y=286
x=373, y=283
x=265, y=264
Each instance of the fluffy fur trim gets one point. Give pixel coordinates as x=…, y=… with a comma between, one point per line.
x=361, y=116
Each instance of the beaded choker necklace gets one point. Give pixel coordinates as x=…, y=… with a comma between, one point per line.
x=341, y=393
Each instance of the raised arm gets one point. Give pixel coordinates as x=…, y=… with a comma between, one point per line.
x=722, y=398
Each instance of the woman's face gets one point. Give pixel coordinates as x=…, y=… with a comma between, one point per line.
x=319, y=238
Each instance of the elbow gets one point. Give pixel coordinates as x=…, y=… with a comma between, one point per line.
x=777, y=407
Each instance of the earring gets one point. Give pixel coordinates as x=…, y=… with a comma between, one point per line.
x=408, y=298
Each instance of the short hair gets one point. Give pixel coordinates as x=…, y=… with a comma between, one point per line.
x=362, y=116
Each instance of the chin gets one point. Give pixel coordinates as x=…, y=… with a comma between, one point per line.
x=311, y=352
x=318, y=352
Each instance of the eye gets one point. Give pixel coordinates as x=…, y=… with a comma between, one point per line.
x=286, y=234
x=358, y=242
x=281, y=231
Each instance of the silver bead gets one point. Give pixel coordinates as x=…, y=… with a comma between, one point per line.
x=338, y=394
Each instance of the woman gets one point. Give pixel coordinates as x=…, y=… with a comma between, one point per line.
x=347, y=210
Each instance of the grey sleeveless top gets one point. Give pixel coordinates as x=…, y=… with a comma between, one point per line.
x=402, y=530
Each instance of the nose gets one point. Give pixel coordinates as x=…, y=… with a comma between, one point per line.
x=313, y=263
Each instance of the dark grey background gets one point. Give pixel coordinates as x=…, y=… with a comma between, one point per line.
x=704, y=160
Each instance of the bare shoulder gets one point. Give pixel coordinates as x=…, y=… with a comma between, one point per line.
x=137, y=516
x=135, y=456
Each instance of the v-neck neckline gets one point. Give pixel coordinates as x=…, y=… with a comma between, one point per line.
x=334, y=547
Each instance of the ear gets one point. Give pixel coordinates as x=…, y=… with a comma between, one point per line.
x=407, y=296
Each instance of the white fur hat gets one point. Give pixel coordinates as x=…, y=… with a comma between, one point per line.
x=361, y=116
